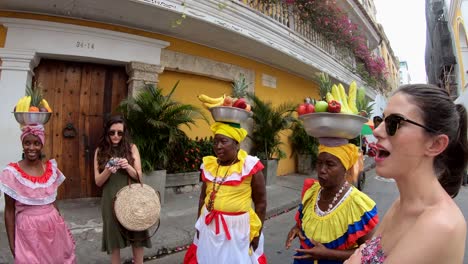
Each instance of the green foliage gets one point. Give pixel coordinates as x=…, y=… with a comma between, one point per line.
x=269, y=121
x=155, y=122
x=301, y=142
x=186, y=154
x=239, y=87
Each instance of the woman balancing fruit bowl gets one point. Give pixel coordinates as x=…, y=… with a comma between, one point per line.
x=36, y=231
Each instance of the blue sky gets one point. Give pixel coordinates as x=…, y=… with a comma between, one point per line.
x=404, y=22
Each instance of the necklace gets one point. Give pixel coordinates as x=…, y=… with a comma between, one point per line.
x=216, y=185
x=333, y=202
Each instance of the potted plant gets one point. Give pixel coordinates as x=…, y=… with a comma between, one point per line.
x=155, y=121
x=269, y=121
x=185, y=169
x=304, y=148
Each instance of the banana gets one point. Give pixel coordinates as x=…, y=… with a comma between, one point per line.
x=352, y=97
x=208, y=105
x=45, y=104
x=210, y=100
x=18, y=104
x=27, y=104
x=344, y=98
x=329, y=97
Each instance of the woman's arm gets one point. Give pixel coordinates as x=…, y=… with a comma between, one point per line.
x=259, y=200
x=201, y=200
x=10, y=218
x=259, y=195
x=100, y=178
x=135, y=170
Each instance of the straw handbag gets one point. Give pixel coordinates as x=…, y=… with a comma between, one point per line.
x=137, y=206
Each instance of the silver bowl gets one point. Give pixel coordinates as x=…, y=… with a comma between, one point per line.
x=229, y=114
x=333, y=125
x=32, y=118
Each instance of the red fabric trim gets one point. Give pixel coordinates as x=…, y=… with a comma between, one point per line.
x=216, y=215
x=262, y=259
x=35, y=179
x=307, y=184
x=354, y=237
x=303, y=244
x=191, y=255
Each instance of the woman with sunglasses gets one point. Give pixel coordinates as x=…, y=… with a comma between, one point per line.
x=115, y=161
x=422, y=144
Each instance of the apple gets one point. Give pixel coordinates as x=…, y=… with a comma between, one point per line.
x=301, y=109
x=310, y=108
x=334, y=106
x=321, y=106
x=240, y=103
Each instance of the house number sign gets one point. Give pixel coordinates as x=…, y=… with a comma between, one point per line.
x=84, y=45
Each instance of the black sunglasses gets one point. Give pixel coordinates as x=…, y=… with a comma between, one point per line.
x=392, y=124
x=113, y=132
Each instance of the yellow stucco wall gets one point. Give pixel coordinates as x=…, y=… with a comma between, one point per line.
x=3, y=33
x=289, y=87
x=188, y=88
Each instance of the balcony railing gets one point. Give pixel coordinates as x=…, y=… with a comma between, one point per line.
x=284, y=14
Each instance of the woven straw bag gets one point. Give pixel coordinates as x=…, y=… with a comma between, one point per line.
x=137, y=207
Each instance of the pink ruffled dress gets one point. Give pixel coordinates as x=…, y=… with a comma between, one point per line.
x=41, y=235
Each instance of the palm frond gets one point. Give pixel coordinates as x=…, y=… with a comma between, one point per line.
x=155, y=121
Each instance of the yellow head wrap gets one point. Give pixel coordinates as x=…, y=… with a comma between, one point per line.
x=348, y=154
x=238, y=134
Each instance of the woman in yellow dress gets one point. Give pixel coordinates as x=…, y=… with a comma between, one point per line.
x=334, y=217
x=228, y=228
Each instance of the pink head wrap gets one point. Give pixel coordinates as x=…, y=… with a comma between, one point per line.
x=36, y=130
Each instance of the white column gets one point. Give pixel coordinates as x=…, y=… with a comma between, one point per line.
x=16, y=71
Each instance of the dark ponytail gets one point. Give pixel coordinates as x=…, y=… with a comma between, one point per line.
x=454, y=158
x=442, y=115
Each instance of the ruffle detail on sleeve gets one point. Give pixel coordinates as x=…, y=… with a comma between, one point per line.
x=20, y=188
x=235, y=174
x=341, y=228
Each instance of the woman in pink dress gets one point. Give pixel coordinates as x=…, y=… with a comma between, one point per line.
x=36, y=231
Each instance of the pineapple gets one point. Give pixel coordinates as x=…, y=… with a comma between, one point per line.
x=239, y=87
x=324, y=85
x=36, y=97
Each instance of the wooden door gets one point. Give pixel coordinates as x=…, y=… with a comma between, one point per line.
x=82, y=97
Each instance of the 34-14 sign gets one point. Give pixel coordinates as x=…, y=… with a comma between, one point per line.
x=84, y=45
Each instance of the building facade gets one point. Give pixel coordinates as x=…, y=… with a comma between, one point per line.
x=405, y=77
x=457, y=15
x=441, y=63
x=89, y=55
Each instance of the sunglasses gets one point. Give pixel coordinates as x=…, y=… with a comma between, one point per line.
x=393, y=121
x=113, y=132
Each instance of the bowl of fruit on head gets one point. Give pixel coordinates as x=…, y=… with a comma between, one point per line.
x=226, y=108
x=32, y=109
x=335, y=115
